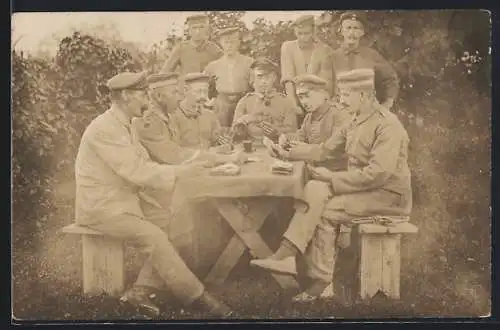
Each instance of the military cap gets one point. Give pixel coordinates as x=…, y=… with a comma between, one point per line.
x=265, y=64
x=306, y=82
x=349, y=15
x=229, y=30
x=195, y=77
x=196, y=18
x=162, y=79
x=357, y=79
x=304, y=20
x=128, y=81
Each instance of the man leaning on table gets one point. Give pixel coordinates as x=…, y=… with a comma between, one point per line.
x=110, y=168
x=376, y=183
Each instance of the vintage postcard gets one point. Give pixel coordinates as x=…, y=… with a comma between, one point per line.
x=251, y=165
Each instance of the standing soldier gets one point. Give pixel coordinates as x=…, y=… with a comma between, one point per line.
x=265, y=112
x=377, y=182
x=110, y=168
x=351, y=55
x=194, y=125
x=193, y=55
x=231, y=73
x=322, y=118
x=306, y=54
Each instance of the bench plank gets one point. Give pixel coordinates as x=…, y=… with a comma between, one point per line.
x=400, y=228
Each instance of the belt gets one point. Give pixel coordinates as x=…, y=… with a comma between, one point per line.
x=381, y=220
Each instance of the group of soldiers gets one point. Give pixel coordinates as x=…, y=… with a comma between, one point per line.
x=162, y=128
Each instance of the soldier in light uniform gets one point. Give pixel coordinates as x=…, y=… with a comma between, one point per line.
x=377, y=182
x=110, y=168
x=231, y=74
x=265, y=112
x=322, y=119
x=351, y=55
x=306, y=54
x=194, y=54
x=194, y=124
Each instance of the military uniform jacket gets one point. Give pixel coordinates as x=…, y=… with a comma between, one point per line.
x=111, y=167
x=386, y=78
x=317, y=129
x=155, y=132
x=189, y=58
x=378, y=180
x=198, y=130
x=274, y=109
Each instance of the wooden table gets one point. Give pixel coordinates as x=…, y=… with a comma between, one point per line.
x=245, y=201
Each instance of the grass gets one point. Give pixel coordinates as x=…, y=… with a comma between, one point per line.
x=47, y=286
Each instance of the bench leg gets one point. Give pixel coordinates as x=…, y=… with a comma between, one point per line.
x=379, y=267
x=103, y=265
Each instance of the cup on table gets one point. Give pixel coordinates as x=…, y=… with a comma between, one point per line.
x=248, y=146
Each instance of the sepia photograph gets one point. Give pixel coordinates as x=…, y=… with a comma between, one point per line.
x=265, y=165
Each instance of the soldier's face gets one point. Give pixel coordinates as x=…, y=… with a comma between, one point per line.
x=197, y=92
x=230, y=43
x=350, y=99
x=352, y=31
x=198, y=31
x=168, y=95
x=137, y=101
x=304, y=34
x=263, y=80
x=312, y=100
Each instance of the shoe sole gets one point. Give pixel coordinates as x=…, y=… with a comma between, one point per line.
x=274, y=270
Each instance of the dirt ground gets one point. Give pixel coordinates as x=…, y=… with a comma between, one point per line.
x=47, y=285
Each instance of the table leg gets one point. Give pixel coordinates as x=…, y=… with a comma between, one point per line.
x=246, y=228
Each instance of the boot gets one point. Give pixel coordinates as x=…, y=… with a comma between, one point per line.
x=141, y=298
x=212, y=306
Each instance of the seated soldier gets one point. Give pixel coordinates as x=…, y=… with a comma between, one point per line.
x=265, y=112
x=154, y=131
x=193, y=124
x=377, y=182
x=323, y=118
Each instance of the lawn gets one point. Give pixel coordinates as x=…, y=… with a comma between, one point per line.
x=46, y=271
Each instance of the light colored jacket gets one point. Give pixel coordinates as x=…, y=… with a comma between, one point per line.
x=111, y=168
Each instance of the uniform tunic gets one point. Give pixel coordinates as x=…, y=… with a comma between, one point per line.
x=274, y=109
x=386, y=78
x=317, y=128
x=377, y=181
x=199, y=129
x=189, y=58
x=296, y=61
x=110, y=167
x=232, y=81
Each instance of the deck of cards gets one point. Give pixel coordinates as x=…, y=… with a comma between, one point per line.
x=282, y=168
x=227, y=169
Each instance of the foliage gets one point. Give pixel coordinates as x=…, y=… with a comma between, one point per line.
x=445, y=70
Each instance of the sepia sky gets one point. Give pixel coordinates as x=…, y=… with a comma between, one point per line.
x=37, y=30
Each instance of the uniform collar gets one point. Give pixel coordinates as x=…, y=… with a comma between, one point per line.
x=201, y=46
x=189, y=113
x=321, y=112
x=376, y=108
x=120, y=115
x=347, y=50
x=159, y=110
x=311, y=46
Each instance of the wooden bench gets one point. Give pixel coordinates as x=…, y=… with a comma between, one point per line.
x=379, y=268
x=103, y=261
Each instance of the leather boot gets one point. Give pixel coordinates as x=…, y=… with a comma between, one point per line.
x=141, y=298
x=208, y=303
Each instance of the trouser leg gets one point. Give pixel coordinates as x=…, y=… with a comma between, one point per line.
x=304, y=222
x=225, y=110
x=321, y=254
x=152, y=240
